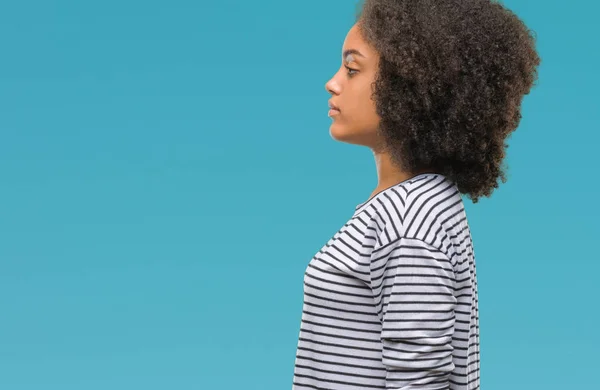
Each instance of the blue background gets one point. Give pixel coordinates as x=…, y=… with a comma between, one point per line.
x=167, y=173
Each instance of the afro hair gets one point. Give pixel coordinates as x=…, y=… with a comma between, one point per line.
x=452, y=75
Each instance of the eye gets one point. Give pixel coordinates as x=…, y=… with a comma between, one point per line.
x=350, y=70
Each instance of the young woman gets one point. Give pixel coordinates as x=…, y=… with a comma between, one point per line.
x=433, y=88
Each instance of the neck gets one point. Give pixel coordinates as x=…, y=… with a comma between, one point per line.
x=389, y=174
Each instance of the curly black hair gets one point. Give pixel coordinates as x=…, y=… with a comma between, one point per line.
x=451, y=79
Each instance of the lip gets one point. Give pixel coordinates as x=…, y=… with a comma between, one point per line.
x=333, y=106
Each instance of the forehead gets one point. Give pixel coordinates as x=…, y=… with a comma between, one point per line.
x=354, y=40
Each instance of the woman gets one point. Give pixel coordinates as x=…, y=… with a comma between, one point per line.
x=434, y=88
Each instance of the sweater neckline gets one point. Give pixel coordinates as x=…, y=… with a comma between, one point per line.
x=362, y=205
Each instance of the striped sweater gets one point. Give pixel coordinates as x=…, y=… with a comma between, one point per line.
x=390, y=301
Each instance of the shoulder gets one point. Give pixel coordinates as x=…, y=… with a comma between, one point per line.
x=424, y=209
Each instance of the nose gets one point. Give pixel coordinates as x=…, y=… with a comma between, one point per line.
x=331, y=86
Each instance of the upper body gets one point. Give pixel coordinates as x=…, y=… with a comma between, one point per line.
x=390, y=301
x=433, y=88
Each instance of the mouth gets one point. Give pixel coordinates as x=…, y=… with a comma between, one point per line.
x=333, y=112
x=333, y=106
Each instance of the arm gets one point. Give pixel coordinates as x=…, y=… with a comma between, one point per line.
x=413, y=287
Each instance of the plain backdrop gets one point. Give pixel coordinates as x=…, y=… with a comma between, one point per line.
x=167, y=173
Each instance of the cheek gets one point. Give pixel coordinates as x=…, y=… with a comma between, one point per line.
x=358, y=123
x=363, y=111
x=358, y=116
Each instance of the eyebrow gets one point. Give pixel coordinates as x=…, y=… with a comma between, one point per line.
x=352, y=51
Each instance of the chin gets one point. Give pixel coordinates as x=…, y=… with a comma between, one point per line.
x=339, y=133
x=351, y=136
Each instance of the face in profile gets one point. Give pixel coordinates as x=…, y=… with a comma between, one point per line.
x=355, y=120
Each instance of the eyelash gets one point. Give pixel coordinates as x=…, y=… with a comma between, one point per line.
x=350, y=69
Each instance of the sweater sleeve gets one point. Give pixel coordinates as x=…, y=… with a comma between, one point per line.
x=413, y=287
